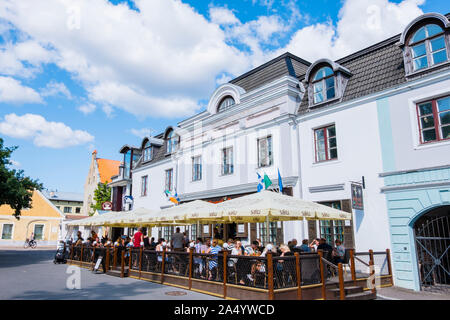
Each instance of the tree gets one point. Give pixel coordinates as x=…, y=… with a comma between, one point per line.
x=101, y=194
x=16, y=190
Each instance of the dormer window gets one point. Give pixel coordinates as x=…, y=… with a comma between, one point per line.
x=147, y=151
x=428, y=47
x=324, y=85
x=225, y=104
x=172, y=142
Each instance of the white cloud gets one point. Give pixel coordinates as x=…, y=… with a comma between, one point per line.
x=54, y=88
x=44, y=133
x=87, y=108
x=12, y=91
x=361, y=23
x=164, y=55
x=161, y=60
x=15, y=163
x=142, y=133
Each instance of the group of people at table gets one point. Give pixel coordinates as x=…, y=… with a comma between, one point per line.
x=208, y=266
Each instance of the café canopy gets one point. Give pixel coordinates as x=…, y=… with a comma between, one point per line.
x=256, y=207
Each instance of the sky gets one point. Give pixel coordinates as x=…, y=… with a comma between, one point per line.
x=84, y=75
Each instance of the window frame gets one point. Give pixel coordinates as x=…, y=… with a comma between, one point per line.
x=144, y=185
x=78, y=210
x=196, y=168
x=326, y=138
x=269, y=151
x=68, y=211
x=43, y=231
x=230, y=164
x=427, y=44
x=148, y=152
x=436, y=120
x=228, y=106
x=172, y=142
x=12, y=231
x=166, y=186
x=324, y=86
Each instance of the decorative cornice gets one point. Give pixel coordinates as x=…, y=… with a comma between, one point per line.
x=331, y=187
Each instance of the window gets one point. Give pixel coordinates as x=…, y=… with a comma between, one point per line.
x=332, y=230
x=225, y=104
x=172, y=142
x=325, y=143
x=227, y=161
x=77, y=210
x=148, y=151
x=196, y=168
x=169, y=180
x=265, y=157
x=144, y=186
x=434, y=120
x=194, y=233
x=127, y=162
x=272, y=231
x=67, y=209
x=39, y=232
x=428, y=47
x=167, y=233
x=323, y=85
x=7, y=232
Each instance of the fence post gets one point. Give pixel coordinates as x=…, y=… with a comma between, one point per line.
x=191, y=253
x=114, y=258
x=141, y=250
x=93, y=258
x=322, y=277
x=225, y=273
x=163, y=264
x=372, y=275
x=388, y=257
x=341, y=282
x=81, y=255
x=299, y=281
x=129, y=258
x=107, y=259
x=270, y=275
x=122, y=269
x=352, y=266
x=71, y=254
x=371, y=255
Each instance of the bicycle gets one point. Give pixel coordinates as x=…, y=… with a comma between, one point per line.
x=30, y=243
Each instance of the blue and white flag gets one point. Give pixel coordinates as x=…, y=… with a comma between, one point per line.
x=280, y=182
x=260, y=183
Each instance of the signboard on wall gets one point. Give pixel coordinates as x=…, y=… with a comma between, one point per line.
x=107, y=205
x=357, y=197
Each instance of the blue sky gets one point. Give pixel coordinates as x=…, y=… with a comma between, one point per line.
x=91, y=74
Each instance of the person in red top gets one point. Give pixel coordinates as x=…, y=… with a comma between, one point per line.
x=138, y=238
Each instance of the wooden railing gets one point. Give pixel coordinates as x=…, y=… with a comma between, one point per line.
x=270, y=276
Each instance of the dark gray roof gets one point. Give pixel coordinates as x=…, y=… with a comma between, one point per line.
x=373, y=69
x=63, y=196
x=286, y=64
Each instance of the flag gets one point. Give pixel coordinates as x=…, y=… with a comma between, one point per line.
x=176, y=196
x=280, y=182
x=267, y=182
x=170, y=197
x=260, y=183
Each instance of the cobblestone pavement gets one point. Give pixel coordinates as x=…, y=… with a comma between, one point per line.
x=31, y=274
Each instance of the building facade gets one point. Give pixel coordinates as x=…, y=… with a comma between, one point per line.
x=43, y=219
x=70, y=205
x=378, y=119
x=100, y=171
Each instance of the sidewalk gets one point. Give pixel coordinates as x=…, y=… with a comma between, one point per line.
x=397, y=293
x=15, y=248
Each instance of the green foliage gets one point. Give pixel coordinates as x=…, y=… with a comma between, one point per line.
x=101, y=194
x=16, y=190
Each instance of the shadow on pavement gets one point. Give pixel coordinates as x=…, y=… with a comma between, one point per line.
x=19, y=258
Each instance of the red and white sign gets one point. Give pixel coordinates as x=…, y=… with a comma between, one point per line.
x=107, y=205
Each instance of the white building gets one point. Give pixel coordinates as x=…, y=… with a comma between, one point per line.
x=324, y=125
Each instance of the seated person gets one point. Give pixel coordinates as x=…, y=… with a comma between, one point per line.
x=338, y=253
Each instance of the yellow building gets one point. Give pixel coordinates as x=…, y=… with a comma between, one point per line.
x=44, y=219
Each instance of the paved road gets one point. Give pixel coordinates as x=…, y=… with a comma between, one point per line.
x=31, y=274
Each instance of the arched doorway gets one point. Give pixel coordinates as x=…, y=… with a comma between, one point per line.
x=432, y=239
